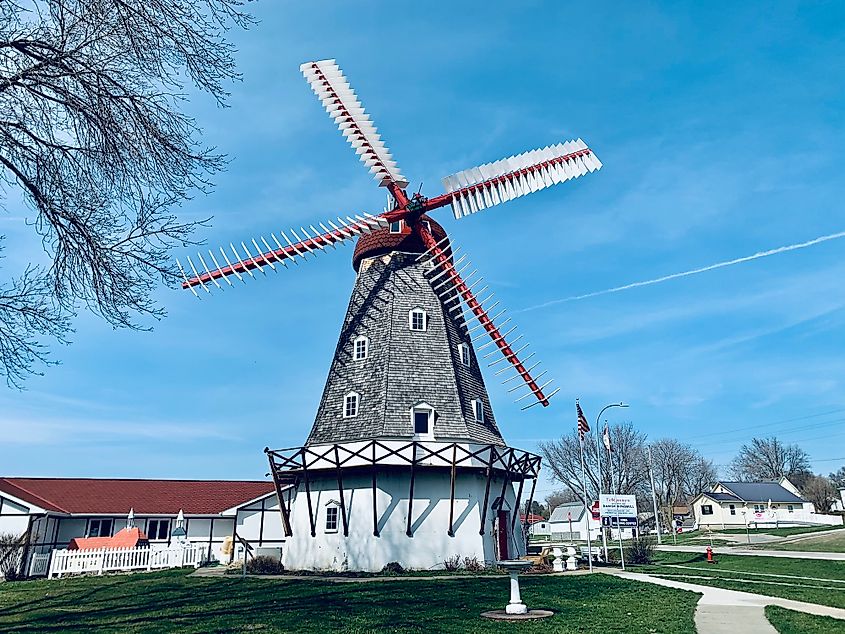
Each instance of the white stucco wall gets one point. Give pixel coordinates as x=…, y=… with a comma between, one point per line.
x=430, y=544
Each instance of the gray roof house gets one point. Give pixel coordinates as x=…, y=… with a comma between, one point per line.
x=738, y=504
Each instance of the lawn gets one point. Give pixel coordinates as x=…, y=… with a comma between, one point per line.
x=810, y=580
x=834, y=543
x=174, y=602
x=791, y=622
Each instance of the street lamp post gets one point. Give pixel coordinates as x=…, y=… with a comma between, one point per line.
x=598, y=460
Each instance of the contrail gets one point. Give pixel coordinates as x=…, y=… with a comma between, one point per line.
x=703, y=269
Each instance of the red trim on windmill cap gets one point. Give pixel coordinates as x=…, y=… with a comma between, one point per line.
x=381, y=241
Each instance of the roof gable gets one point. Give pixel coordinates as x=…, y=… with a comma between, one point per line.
x=761, y=492
x=90, y=496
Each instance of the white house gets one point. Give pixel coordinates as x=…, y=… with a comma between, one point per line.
x=52, y=511
x=737, y=504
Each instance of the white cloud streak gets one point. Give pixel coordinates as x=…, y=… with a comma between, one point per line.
x=703, y=269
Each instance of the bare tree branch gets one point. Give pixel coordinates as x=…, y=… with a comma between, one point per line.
x=93, y=134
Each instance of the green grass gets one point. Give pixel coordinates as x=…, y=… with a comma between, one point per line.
x=753, y=574
x=818, y=543
x=791, y=622
x=174, y=602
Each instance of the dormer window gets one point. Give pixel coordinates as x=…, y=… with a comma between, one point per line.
x=422, y=420
x=418, y=319
x=350, y=405
x=463, y=353
x=361, y=347
x=396, y=227
x=478, y=410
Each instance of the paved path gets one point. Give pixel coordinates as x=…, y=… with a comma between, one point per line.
x=722, y=611
x=732, y=550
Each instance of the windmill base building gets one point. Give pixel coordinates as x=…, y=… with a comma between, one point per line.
x=405, y=462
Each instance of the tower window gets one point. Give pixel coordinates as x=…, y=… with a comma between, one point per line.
x=396, y=227
x=362, y=348
x=422, y=419
x=350, y=405
x=332, y=513
x=463, y=352
x=417, y=319
x=478, y=410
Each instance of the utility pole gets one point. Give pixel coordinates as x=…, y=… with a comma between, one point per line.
x=654, y=496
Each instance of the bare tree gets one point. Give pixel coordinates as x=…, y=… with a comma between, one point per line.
x=821, y=492
x=770, y=459
x=838, y=477
x=562, y=496
x=93, y=137
x=563, y=459
x=680, y=473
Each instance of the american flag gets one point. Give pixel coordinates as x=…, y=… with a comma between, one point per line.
x=583, y=425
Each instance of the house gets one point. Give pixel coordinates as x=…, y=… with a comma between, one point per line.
x=737, y=504
x=55, y=511
x=568, y=522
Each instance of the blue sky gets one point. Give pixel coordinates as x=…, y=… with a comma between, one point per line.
x=721, y=132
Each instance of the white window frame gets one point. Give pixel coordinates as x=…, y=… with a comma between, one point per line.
x=478, y=410
x=790, y=508
x=158, y=522
x=463, y=355
x=332, y=509
x=422, y=408
x=759, y=508
x=397, y=226
x=411, y=314
x=346, y=399
x=732, y=508
x=100, y=521
x=361, y=339
x=707, y=509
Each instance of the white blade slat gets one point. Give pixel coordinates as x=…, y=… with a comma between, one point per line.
x=331, y=87
x=494, y=183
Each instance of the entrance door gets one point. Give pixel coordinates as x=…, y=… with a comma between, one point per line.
x=502, y=532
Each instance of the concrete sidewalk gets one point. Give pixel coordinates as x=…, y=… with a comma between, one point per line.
x=722, y=611
x=733, y=550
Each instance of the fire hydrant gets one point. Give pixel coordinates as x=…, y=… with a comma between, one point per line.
x=710, y=559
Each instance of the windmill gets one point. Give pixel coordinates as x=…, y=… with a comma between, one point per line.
x=396, y=397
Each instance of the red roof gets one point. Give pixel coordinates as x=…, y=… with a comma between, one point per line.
x=89, y=496
x=124, y=538
x=532, y=518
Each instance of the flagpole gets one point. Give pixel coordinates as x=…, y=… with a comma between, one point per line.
x=618, y=527
x=586, y=510
x=598, y=460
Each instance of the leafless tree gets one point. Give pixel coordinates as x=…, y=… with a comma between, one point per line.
x=770, y=459
x=94, y=139
x=562, y=496
x=562, y=457
x=680, y=473
x=821, y=492
x=838, y=477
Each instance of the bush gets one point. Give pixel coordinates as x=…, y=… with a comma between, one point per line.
x=452, y=564
x=471, y=564
x=392, y=568
x=11, y=549
x=640, y=551
x=264, y=565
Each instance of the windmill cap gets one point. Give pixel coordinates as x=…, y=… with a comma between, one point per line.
x=382, y=241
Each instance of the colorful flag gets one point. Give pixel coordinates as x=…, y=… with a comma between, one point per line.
x=606, y=438
x=583, y=425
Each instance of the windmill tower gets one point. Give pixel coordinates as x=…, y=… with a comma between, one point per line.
x=405, y=461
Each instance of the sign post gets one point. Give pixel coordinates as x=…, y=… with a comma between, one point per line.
x=621, y=511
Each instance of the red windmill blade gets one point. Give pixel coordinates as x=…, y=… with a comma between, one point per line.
x=467, y=192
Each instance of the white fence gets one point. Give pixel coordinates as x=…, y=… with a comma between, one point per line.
x=64, y=562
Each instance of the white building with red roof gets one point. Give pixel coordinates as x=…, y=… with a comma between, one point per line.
x=50, y=512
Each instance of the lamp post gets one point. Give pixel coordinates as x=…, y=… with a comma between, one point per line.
x=598, y=460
